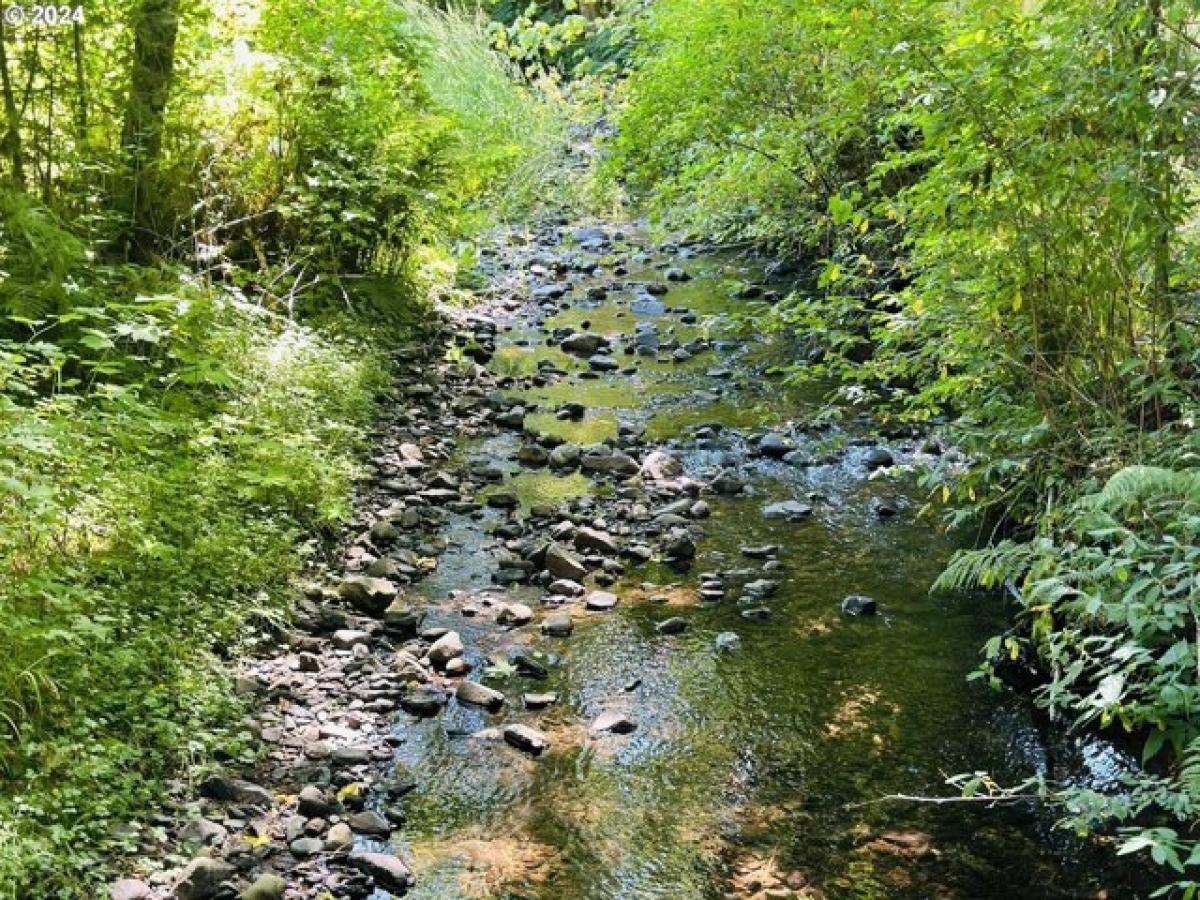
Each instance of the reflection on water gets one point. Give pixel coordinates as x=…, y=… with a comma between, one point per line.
x=753, y=771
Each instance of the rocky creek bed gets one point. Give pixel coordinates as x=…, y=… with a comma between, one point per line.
x=621, y=620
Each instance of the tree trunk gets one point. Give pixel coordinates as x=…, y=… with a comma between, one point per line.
x=155, y=28
x=10, y=141
x=80, y=82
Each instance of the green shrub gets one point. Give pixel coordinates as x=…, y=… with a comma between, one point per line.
x=142, y=525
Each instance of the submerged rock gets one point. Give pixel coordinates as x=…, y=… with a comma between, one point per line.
x=728, y=642
x=791, y=510
x=614, y=723
x=859, y=605
x=673, y=625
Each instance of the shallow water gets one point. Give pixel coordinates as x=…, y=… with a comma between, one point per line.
x=758, y=768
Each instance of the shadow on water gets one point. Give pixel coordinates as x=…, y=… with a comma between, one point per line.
x=751, y=771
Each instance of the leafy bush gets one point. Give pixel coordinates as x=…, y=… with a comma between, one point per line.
x=141, y=525
x=1108, y=603
x=994, y=204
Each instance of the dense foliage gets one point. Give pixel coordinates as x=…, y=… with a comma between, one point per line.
x=202, y=208
x=996, y=204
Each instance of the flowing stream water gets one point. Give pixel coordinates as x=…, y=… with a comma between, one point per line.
x=752, y=773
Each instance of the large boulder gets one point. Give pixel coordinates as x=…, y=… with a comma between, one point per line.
x=583, y=343
x=449, y=646
x=561, y=563
x=235, y=790
x=202, y=879
x=661, y=466
x=388, y=872
x=594, y=539
x=368, y=595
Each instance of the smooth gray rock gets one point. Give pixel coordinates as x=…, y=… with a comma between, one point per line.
x=449, y=646
x=791, y=510
x=235, y=790
x=558, y=624
x=601, y=601
x=369, y=822
x=368, y=595
x=202, y=879
x=339, y=838
x=385, y=870
x=561, y=563
x=129, y=889
x=878, y=458
x=476, y=694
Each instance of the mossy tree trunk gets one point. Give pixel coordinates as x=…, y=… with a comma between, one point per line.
x=156, y=27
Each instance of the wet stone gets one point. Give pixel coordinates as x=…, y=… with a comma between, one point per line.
x=369, y=822
x=613, y=723
x=727, y=642
x=791, y=510
x=878, y=458
x=526, y=739
x=674, y=625
x=557, y=625
x=859, y=605
x=387, y=872
x=423, y=701
x=476, y=694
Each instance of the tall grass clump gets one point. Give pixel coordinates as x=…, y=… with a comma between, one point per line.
x=511, y=145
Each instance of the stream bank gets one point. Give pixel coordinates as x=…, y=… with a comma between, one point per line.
x=621, y=620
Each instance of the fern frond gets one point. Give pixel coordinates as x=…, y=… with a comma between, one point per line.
x=985, y=568
x=1146, y=484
